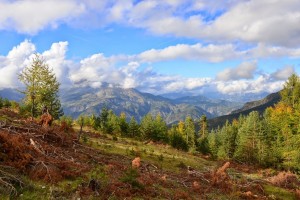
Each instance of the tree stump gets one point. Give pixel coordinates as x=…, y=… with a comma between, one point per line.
x=46, y=120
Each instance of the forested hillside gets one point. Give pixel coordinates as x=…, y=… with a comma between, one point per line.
x=270, y=140
x=260, y=106
x=51, y=162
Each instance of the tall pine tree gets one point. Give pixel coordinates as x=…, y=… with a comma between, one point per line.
x=189, y=132
x=291, y=91
x=42, y=88
x=133, y=128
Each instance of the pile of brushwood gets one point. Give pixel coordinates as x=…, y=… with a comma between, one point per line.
x=41, y=152
x=50, y=154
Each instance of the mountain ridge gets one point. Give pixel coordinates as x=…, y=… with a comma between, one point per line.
x=88, y=100
x=259, y=106
x=217, y=107
x=130, y=101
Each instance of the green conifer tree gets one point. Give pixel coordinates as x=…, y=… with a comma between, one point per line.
x=249, y=139
x=291, y=91
x=41, y=89
x=147, y=127
x=202, y=140
x=160, y=129
x=189, y=132
x=133, y=128
x=123, y=124
x=176, y=139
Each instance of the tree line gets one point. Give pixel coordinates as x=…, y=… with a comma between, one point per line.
x=269, y=140
x=182, y=136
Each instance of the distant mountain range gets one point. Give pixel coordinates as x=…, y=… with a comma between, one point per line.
x=130, y=101
x=236, y=97
x=88, y=100
x=260, y=106
x=216, y=107
x=134, y=103
x=11, y=94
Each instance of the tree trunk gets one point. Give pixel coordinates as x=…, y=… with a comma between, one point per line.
x=32, y=106
x=80, y=132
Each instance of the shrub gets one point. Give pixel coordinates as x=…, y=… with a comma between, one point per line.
x=25, y=110
x=130, y=177
x=67, y=119
x=6, y=103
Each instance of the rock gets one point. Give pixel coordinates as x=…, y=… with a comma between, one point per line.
x=136, y=163
x=164, y=177
x=196, y=185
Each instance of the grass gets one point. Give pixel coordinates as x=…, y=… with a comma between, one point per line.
x=159, y=155
x=166, y=158
x=130, y=177
x=33, y=190
x=279, y=193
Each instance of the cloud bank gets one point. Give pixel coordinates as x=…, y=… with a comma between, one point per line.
x=274, y=23
x=31, y=16
x=96, y=69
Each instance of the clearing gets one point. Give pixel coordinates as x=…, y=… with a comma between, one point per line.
x=40, y=162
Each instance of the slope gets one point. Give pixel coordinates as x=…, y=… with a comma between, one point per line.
x=216, y=107
x=49, y=163
x=260, y=106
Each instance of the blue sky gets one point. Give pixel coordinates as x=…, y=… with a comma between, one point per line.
x=196, y=46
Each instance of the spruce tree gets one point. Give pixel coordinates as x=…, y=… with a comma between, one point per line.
x=291, y=91
x=203, y=132
x=202, y=140
x=160, y=129
x=123, y=124
x=249, y=139
x=102, y=120
x=189, y=132
x=133, y=128
x=229, y=135
x=176, y=139
x=113, y=125
x=214, y=143
x=147, y=127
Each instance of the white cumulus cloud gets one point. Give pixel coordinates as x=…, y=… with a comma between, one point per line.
x=263, y=83
x=131, y=72
x=31, y=16
x=284, y=73
x=14, y=62
x=271, y=22
x=55, y=58
x=245, y=70
x=212, y=53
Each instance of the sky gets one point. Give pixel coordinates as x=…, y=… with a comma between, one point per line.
x=155, y=46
